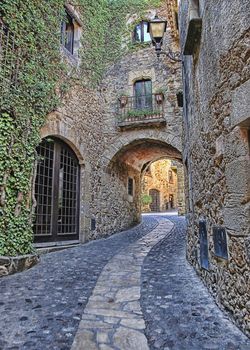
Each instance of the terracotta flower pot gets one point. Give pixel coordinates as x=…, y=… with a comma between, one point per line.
x=123, y=101
x=159, y=97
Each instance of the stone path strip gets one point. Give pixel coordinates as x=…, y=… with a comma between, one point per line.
x=41, y=308
x=113, y=318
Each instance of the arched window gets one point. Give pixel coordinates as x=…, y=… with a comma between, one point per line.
x=143, y=94
x=67, y=33
x=141, y=32
x=56, y=192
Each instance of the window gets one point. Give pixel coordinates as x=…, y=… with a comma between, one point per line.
x=67, y=33
x=179, y=97
x=130, y=186
x=143, y=94
x=141, y=33
x=204, y=258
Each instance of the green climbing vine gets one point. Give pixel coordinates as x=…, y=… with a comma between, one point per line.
x=24, y=105
x=105, y=29
x=31, y=74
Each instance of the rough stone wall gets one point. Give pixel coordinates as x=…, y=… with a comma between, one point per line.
x=216, y=152
x=103, y=190
x=87, y=121
x=157, y=177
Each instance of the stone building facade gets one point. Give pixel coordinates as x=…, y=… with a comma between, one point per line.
x=161, y=183
x=111, y=141
x=215, y=44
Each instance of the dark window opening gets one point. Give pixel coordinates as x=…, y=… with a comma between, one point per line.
x=141, y=32
x=93, y=224
x=179, y=96
x=204, y=259
x=130, y=186
x=56, y=192
x=170, y=176
x=67, y=33
x=143, y=94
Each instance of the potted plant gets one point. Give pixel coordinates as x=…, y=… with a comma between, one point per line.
x=123, y=100
x=159, y=96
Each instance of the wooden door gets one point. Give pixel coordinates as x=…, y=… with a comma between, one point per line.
x=155, y=205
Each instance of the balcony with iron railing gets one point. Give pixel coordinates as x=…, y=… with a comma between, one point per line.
x=140, y=111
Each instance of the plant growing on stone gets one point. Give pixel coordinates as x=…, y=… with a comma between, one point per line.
x=30, y=80
x=141, y=113
x=146, y=199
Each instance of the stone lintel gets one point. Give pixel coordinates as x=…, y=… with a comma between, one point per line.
x=240, y=106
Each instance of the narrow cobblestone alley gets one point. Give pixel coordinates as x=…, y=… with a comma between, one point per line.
x=138, y=293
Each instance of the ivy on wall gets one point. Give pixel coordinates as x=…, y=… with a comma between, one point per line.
x=105, y=29
x=31, y=72
x=32, y=32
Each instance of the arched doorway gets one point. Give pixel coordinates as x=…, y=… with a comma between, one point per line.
x=155, y=204
x=56, y=192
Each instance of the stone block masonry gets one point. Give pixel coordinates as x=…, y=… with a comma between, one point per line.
x=10, y=265
x=216, y=119
x=87, y=121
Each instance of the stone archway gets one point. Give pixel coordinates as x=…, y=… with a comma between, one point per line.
x=126, y=159
x=170, y=145
x=56, y=126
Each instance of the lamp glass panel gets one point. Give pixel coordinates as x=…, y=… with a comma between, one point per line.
x=157, y=29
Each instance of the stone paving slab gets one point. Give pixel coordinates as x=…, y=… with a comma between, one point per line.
x=41, y=308
x=116, y=296
x=179, y=312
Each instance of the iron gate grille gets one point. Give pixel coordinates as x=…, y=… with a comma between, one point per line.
x=43, y=189
x=68, y=174
x=56, y=192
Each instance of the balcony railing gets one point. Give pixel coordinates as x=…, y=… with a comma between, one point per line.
x=137, y=110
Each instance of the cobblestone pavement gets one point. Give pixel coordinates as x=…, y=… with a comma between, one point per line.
x=42, y=307
x=178, y=310
x=89, y=296
x=112, y=318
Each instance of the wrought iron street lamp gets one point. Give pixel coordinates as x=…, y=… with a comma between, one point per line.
x=156, y=28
